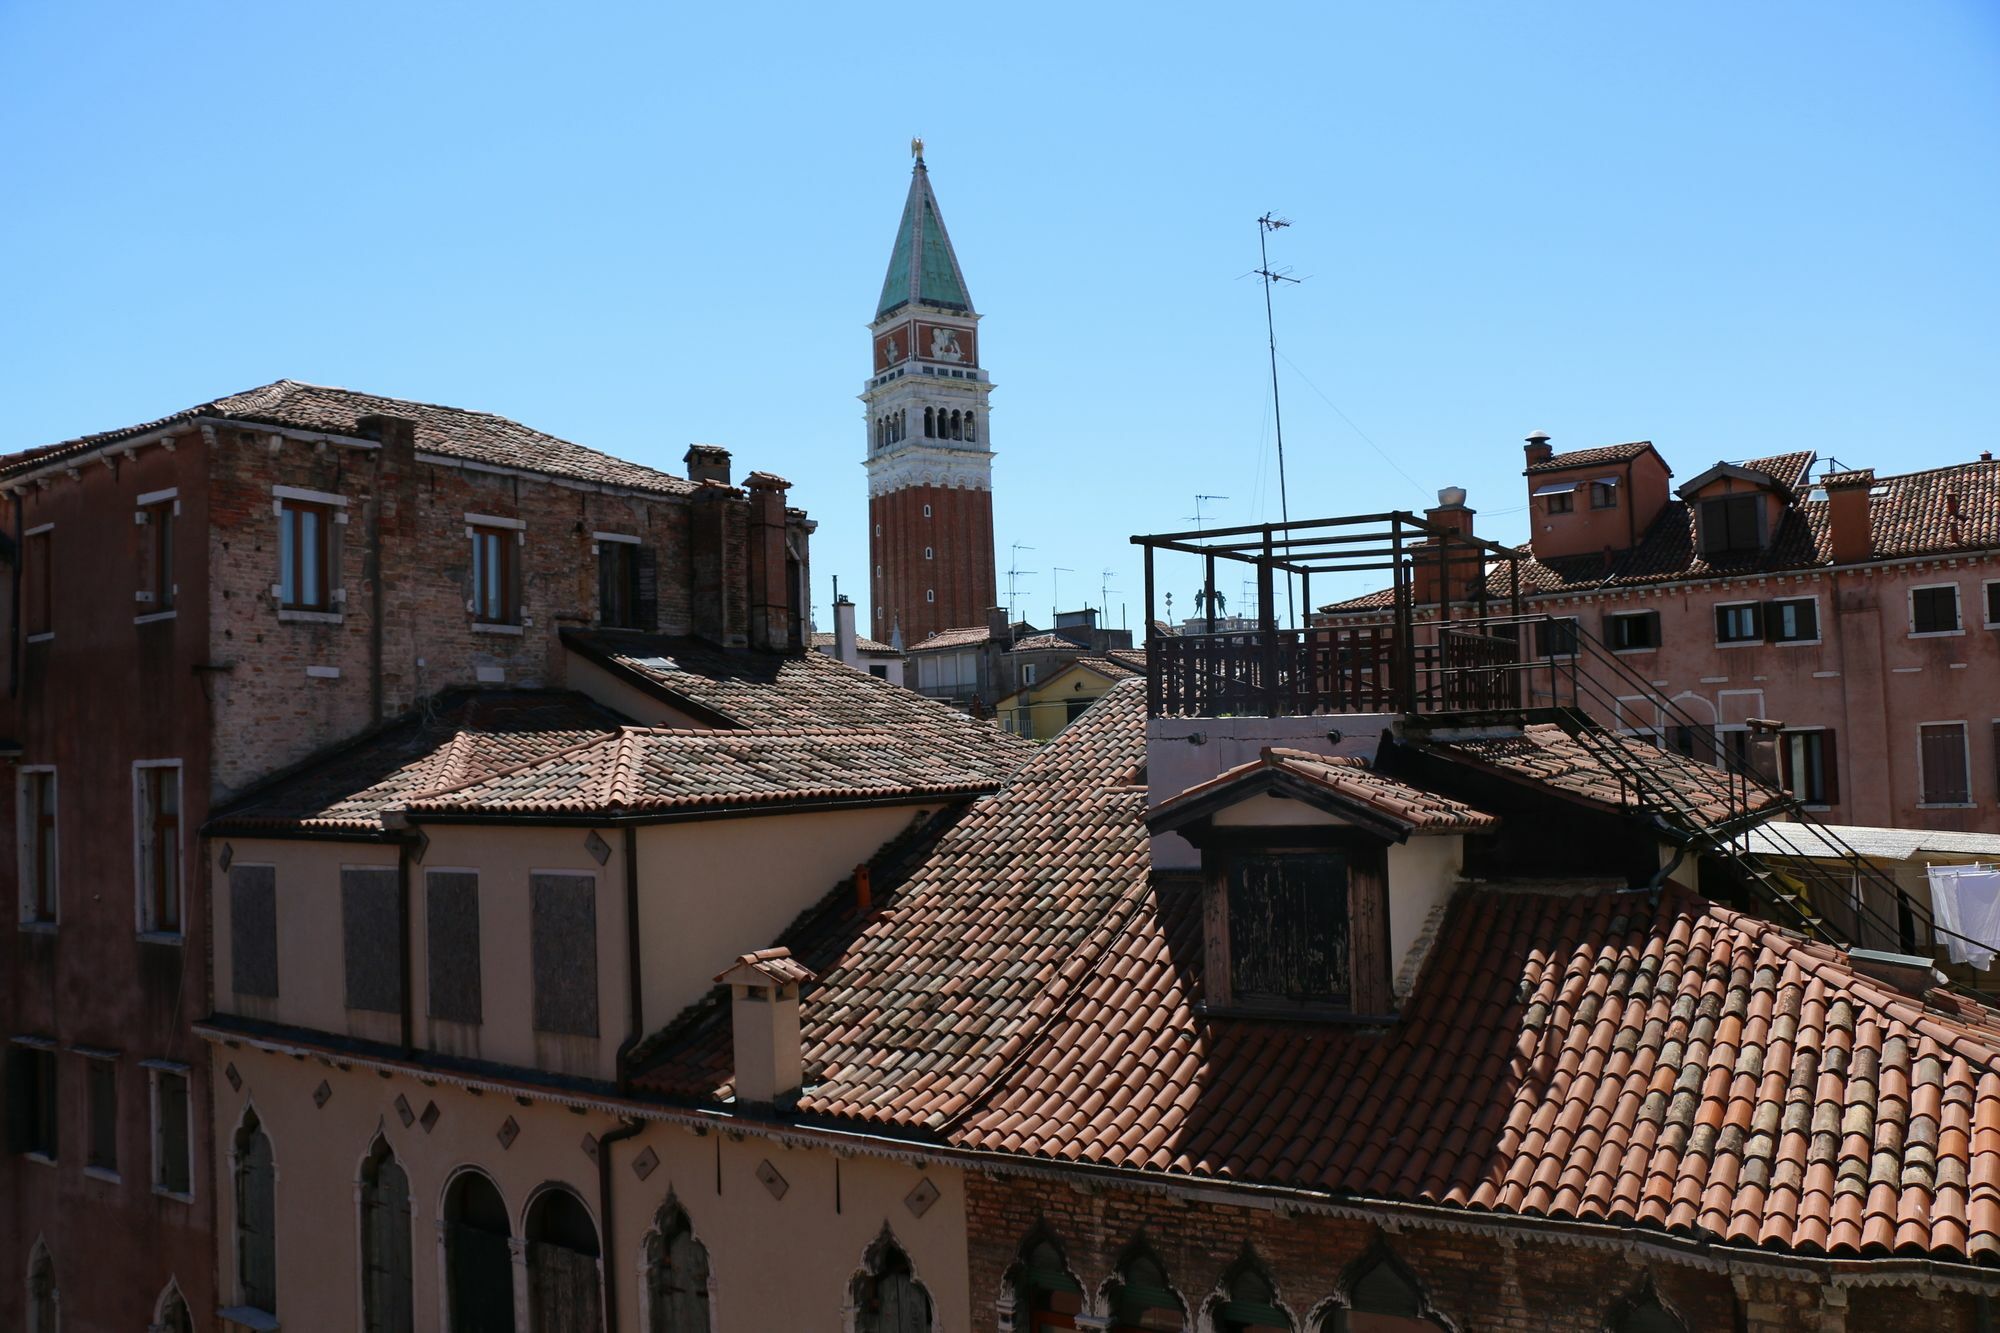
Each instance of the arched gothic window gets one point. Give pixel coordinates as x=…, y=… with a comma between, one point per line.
x=1644, y=1314
x=887, y=1297
x=1142, y=1298
x=256, y=1217
x=173, y=1313
x=1381, y=1298
x=969, y=433
x=43, y=1301
x=1046, y=1296
x=1248, y=1302
x=676, y=1275
x=478, y=1261
x=387, y=1298
x=563, y=1294
x=930, y=418
x=957, y=427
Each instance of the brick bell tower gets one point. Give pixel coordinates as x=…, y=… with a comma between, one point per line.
x=930, y=459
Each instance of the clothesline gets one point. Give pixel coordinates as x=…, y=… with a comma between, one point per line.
x=1965, y=903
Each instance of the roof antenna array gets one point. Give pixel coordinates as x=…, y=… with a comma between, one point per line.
x=1196, y=516
x=1265, y=226
x=1014, y=573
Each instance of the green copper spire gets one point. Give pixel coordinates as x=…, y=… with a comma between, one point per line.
x=922, y=267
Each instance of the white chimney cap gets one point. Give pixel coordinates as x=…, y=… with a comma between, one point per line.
x=1452, y=497
x=1538, y=437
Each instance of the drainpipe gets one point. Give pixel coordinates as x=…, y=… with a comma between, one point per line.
x=635, y=995
x=14, y=646
x=404, y=898
x=627, y=1129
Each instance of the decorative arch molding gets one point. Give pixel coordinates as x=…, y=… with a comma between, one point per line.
x=1039, y=1244
x=876, y=1257
x=1376, y=1260
x=542, y=1192
x=171, y=1313
x=1644, y=1310
x=1247, y=1295
x=671, y=1218
x=1138, y=1250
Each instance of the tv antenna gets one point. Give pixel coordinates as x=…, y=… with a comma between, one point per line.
x=1104, y=591
x=1055, y=590
x=1195, y=517
x=1014, y=572
x=1265, y=226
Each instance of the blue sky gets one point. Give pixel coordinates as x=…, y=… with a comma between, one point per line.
x=1730, y=229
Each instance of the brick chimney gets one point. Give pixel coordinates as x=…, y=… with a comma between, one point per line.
x=1539, y=449
x=764, y=1024
x=768, y=570
x=1463, y=565
x=998, y=627
x=707, y=462
x=716, y=579
x=1848, y=516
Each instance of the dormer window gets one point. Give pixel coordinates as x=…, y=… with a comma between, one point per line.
x=1290, y=931
x=1731, y=523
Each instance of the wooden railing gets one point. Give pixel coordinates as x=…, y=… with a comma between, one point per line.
x=1346, y=669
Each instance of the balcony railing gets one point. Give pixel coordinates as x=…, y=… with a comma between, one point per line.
x=1338, y=669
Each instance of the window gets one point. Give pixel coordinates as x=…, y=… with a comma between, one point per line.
x=495, y=574
x=174, y=1316
x=1289, y=929
x=36, y=813
x=1795, y=620
x=1634, y=631
x=156, y=567
x=38, y=579
x=930, y=594
x=1944, y=770
x=1249, y=1303
x=371, y=927
x=44, y=1302
x=1044, y=1288
x=563, y=926
x=1382, y=1299
x=1603, y=495
x=676, y=1274
x=1934, y=610
x=478, y=1258
x=878, y=670
x=618, y=582
x=173, y=1171
x=101, y=1084
x=1739, y=622
x=256, y=1217
x=1075, y=708
x=1557, y=636
x=1028, y=674
x=1993, y=604
x=1806, y=766
x=31, y=1099
x=887, y=1296
x=1731, y=523
x=1646, y=1315
x=451, y=944
x=305, y=554
x=387, y=1296
x=1143, y=1298
x=878, y=526
x=562, y=1265
x=157, y=816
x=1696, y=741
x=1562, y=502
x=970, y=432
x=253, y=930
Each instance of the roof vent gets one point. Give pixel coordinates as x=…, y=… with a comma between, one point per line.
x=1539, y=449
x=1451, y=497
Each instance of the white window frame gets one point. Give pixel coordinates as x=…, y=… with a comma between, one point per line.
x=1819, y=628
x=1762, y=628
x=155, y=1068
x=336, y=590
x=929, y=553
x=1028, y=674
x=1965, y=750
x=1986, y=619
x=22, y=840
x=141, y=835
x=1958, y=601
x=140, y=518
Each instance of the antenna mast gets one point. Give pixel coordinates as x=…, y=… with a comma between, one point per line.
x=1265, y=226
x=1014, y=572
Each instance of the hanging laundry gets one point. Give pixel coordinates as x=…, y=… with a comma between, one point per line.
x=1965, y=901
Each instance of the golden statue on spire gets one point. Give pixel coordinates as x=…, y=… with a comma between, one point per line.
x=917, y=149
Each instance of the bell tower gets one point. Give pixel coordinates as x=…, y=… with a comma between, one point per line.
x=930, y=456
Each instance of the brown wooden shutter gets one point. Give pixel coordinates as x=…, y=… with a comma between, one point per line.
x=1368, y=918
x=1829, y=759
x=647, y=613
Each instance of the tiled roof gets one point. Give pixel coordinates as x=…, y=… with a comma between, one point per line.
x=963, y=637
x=1132, y=659
x=1912, y=513
x=1030, y=987
x=1674, y=1066
x=1610, y=453
x=1345, y=784
x=462, y=738
x=921, y=1005
x=772, y=964
x=865, y=645
x=1116, y=664
x=479, y=437
x=650, y=770
x=1547, y=756
x=1035, y=643
x=794, y=692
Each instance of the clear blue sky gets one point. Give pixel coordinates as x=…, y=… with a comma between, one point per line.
x=1731, y=229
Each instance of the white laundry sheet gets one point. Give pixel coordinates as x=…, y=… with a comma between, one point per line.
x=1966, y=901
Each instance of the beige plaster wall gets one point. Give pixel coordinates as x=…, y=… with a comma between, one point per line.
x=712, y=890
x=775, y=1262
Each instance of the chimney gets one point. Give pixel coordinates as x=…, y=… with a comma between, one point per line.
x=767, y=567
x=1463, y=563
x=843, y=631
x=764, y=1024
x=715, y=580
x=1848, y=516
x=998, y=627
x=1764, y=747
x=1539, y=449
x=707, y=462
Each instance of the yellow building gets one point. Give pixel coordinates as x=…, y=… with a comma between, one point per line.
x=1041, y=708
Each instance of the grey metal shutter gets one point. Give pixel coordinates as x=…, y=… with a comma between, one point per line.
x=451, y=928
x=253, y=930
x=371, y=933
x=563, y=913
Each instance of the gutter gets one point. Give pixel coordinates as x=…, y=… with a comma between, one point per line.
x=635, y=991
x=405, y=903
x=398, y=819
x=14, y=640
x=1957, y=1275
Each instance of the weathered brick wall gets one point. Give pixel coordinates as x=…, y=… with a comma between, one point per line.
x=1473, y=1281
x=406, y=519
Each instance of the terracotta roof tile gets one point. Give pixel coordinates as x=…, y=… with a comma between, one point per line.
x=454, y=432
x=1345, y=785
x=865, y=645
x=776, y=964
x=1045, y=642
x=1609, y=453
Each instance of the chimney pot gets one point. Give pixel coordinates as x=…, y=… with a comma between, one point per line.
x=1538, y=449
x=707, y=462
x=1452, y=497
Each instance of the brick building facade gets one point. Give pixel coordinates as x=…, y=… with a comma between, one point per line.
x=198, y=602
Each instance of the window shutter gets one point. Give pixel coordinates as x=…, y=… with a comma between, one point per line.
x=372, y=937
x=253, y=930
x=1829, y=759
x=1368, y=931
x=21, y=1097
x=451, y=932
x=563, y=926
x=648, y=611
